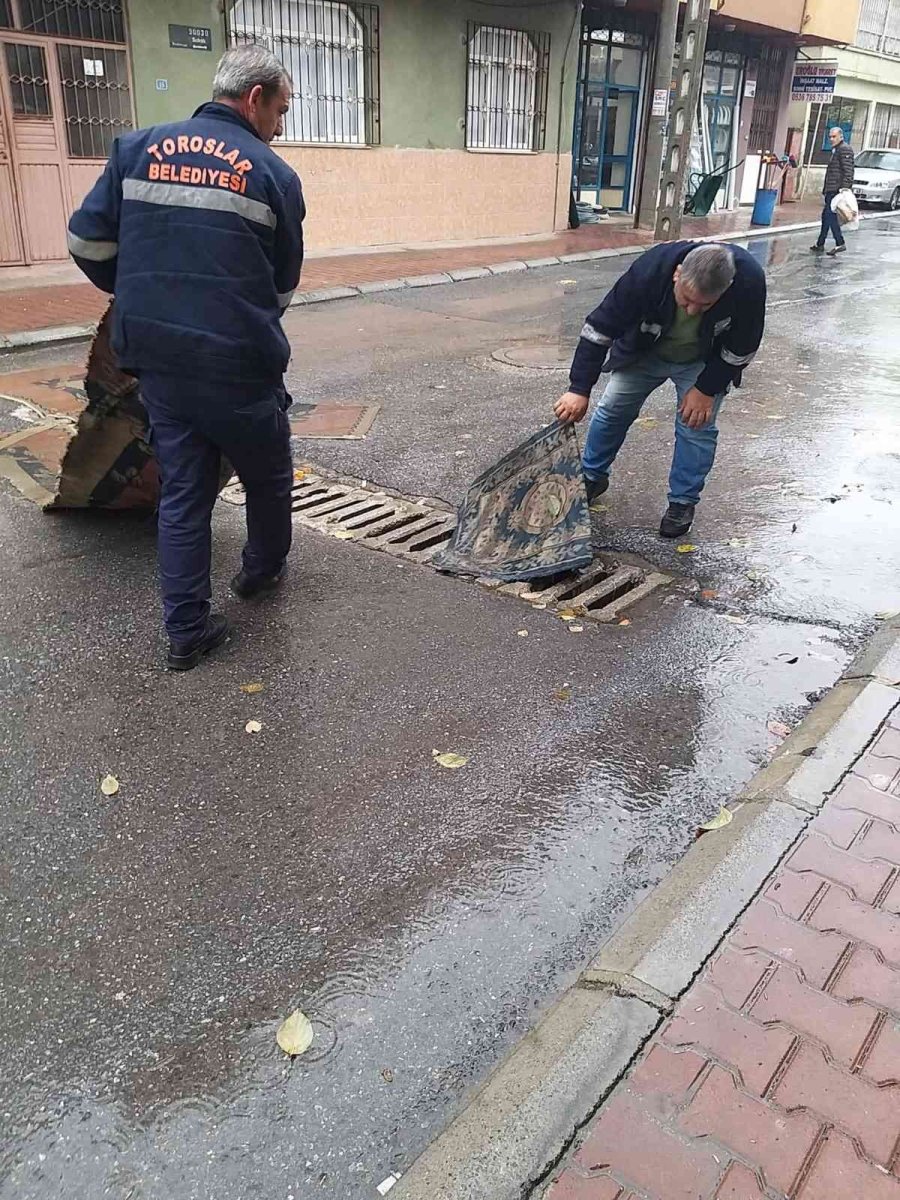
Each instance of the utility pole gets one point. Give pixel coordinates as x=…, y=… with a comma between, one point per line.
x=659, y=115
x=688, y=81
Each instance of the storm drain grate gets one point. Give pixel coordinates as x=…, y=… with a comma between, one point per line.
x=416, y=530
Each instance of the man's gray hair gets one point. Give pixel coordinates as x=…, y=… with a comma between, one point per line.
x=836, y=129
x=709, y=270
x=243, y=67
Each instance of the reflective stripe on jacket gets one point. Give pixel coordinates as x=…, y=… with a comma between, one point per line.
x=640, y=309
x=196, y=228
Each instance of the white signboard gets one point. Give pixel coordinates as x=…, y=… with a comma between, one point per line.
x=813, y=82
x=660, y=102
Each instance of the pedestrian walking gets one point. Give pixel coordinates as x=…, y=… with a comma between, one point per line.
x=838, y=176
x=690, y=313
x=196, y=227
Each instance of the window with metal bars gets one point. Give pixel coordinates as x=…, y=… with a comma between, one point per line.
x=28, y=83
x=769, y=85
x=87, y=20
x=95, y=97
x=879, y=26
x=332, y=53
x=506, y=88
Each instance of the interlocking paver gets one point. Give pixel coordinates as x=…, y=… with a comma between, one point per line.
x=816, y=954
x=778, y=1142
x=646, y=1154
x=777, y=1075
x=867, y=1112
x=840, y=1027
x=859, y=794
x=866, y=977
x=740, y=1183
x=840, y=1174
x=704, y=1023
x=570, y=1186
x=840, y=913
x=817, y=855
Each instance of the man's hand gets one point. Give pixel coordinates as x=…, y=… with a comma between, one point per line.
x=571, y=407
x=696, y=409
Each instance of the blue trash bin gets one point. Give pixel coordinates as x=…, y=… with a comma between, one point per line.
x=764, y=208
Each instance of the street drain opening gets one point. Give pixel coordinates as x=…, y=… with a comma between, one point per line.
x=416, y=530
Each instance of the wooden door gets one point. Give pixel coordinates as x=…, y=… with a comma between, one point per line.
x=11, y=247
x=39, y=153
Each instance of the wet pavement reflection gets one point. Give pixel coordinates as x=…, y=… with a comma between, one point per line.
x=422, y=919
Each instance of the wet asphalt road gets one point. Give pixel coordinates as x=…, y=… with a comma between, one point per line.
x=423, y=919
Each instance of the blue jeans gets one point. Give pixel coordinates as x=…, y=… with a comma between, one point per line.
x=192, y=424
x=695, y=449
x=830, y=223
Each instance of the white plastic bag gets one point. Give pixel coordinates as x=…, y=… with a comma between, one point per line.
x=844, y=204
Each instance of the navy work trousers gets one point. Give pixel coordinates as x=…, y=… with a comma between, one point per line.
x=193, y=423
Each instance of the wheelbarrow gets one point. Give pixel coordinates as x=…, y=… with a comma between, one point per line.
x=703, y=189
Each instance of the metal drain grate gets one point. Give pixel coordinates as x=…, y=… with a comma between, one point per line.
x=600, y=592
x=416, y=530
x=405, y=528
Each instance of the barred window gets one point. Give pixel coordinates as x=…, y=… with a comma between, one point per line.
x=506, y=88
x=331, y=51
x=96, y=97
x=879, y=26
x=88, y=20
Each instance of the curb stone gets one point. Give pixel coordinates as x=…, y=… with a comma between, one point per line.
x=51, y=335
x=653, y=956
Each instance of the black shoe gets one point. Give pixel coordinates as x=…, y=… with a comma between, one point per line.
x=596, y=488
x=245, y=585
x=817, y=249
x=677, y=520
x=837, y=250
x=184, y=656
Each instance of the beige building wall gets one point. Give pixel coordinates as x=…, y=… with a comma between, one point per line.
x=835, y=20
x=388, y=195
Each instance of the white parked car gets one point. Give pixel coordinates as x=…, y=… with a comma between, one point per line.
x=877, y=177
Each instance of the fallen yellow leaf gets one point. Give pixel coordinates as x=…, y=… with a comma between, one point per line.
x=562, y=694
x=568, y=614
x=295, y=1034
x=449, y=760
x=252, y=727
x=722, y=818
x=252, y=688
x=343, y=534
x=685, y=548
x=299, y=476
x=647, y=422
x=109, y=785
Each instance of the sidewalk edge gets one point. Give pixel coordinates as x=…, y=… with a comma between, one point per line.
x=35, y=339
x=648, y=961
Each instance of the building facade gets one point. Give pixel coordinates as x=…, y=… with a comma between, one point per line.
x=866, y=102
x=411, y=121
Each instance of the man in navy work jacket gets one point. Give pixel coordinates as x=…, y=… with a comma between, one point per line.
x=686, y=312
x=196, y=228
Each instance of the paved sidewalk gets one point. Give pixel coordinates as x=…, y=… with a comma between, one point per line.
x=778, y=1073
x=27, y=309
